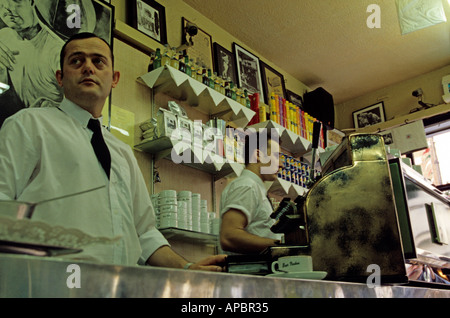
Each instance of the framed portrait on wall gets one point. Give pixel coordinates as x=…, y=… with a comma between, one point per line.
x=370, y=115
x=31, y=74
x=273, y=82
x=224, y=64
x=294, y=98
x=149, y=17
x=248, y=71
x=201, y=50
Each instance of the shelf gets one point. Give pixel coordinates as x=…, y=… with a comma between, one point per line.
x=285, y=188
x=182, y=87
x=290, y=141
x=184, y=235
x=195, y=157
x=406, y=119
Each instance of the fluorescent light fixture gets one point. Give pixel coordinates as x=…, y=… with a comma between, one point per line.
x=414, y=15
x=3, y=87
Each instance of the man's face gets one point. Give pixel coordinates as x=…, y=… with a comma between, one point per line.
x=270, y=162
x=17, y=14
x=87, y=76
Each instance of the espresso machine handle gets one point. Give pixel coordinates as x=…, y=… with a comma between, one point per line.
x=315, y=144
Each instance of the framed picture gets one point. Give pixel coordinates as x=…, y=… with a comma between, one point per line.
x=149, y=17
x=294, y=98
x=273, y=82
x=224, y=63
x=334, y=137
x=248, y=71
x=32, y=80
x=370, y=115
x=202, y=50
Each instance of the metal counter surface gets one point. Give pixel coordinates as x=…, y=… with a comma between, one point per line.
x=41, y=277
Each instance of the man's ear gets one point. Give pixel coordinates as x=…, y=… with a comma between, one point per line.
x=59, y=76
x=116, y=77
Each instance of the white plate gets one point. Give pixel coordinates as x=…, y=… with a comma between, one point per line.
x=302, y=275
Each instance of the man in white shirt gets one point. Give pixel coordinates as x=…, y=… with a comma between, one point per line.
x=47, y=153
x=244, y=207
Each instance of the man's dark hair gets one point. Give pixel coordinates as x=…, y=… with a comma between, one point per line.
x=252, y=142
x=79, y=36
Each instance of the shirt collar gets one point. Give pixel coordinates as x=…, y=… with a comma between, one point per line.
x=250, y=174
x=78, y=113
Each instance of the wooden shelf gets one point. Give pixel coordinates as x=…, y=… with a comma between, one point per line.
x=406, y=119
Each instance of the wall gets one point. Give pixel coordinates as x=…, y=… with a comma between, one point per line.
x=397, y=98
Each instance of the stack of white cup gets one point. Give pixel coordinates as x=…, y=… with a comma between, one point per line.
x=186, y=197
x=167, y=204
x=196, y=209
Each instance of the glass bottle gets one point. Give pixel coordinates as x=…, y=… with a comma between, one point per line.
x=188, y=69
x=157, y=61
x=205, y=78
x=181, y=62
x=216, y=82
x=152, y=60
x=233, y=91
x=193, y=69
x=165, y=59
x=247, y=99
x=210, y=79
x=228, y=88
x=174, y=59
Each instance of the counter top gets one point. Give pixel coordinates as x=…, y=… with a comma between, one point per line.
x=30, y=276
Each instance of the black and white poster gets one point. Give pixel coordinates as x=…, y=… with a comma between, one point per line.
x=32, y=33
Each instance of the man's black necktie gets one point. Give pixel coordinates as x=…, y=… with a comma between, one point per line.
x=99, y=145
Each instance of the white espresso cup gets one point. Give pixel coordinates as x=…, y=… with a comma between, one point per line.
x=299, y=263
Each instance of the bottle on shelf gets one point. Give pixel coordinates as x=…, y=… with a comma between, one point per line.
x=152, y=60
x=247, y=99
x=210, y=79
x=193, y=69
x=199, y=68
x=165, y=59
x=174, y=59
x=228, y=92
x=273, y=108
x=222, y=85
x=187, y=66
x=205, y=78
x=233, y=91
x=157, y=61
x=181, y=62
x=216, y=82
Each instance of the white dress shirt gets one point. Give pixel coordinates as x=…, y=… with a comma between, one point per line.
x=46, y=153
x=248, y=194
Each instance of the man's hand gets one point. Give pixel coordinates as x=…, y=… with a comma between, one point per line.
x=7, y=59
x=213, y=263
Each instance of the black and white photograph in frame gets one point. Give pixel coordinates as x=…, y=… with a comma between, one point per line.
x=224, y=63
x=369, y=116
x=248, y=71
x=33, y=32
x=149, y=17
x=294, y=98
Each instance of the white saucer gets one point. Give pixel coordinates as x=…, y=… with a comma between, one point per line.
x=303, y=275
